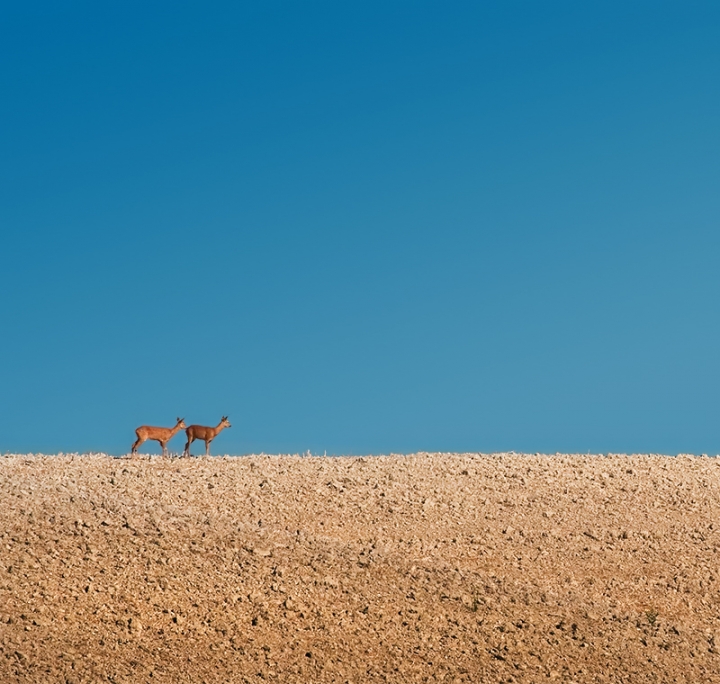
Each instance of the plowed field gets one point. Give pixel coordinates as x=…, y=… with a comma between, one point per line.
x=430, y=567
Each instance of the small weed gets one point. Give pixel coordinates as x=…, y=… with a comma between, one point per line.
x=651, y=616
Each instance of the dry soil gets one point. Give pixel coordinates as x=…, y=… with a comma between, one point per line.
x=430, y=567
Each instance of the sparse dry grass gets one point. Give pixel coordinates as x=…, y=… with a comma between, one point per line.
x=430, y=567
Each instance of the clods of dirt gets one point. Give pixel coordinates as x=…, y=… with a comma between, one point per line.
x=421, y=568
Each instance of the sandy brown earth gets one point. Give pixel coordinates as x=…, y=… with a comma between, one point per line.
x=430, y=567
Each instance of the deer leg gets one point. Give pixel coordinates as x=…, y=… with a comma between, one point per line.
x=187, y=446
x=207, y=447
x=164, y=448
x=136, y=445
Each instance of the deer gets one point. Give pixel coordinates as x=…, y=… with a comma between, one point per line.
x=159, y=434
x=207, y=434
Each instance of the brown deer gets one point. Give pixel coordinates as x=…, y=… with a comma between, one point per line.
x=206, y=434
x=159, y=434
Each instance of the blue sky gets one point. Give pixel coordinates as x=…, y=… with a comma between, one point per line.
x=361, y=227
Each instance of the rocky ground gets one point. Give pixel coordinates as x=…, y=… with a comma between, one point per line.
x=430, y=567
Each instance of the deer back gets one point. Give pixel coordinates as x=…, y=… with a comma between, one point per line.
x=152, y=432
x=200, y=432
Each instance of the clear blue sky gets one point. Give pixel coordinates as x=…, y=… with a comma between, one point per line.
x=361, y=227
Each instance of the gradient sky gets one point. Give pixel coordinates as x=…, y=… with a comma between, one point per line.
x=361, y=227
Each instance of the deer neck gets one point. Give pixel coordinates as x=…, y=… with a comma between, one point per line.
x=218, y=429
x=175, y=430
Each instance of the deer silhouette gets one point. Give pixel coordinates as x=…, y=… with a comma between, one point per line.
x=159, y=434
x=207, y=434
